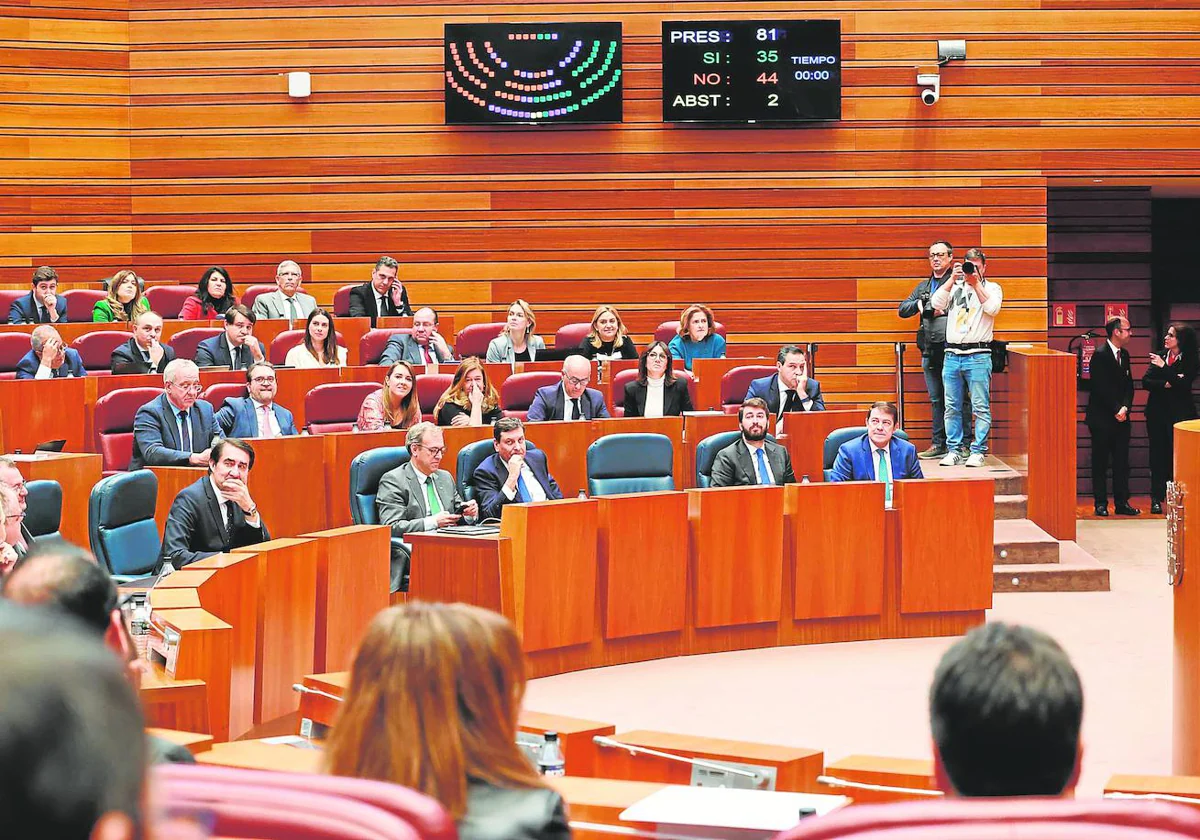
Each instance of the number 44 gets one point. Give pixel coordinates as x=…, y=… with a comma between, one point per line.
x=773, y=79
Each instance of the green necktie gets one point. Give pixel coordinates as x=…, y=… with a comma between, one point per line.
x=431, y=496
x=885, y=476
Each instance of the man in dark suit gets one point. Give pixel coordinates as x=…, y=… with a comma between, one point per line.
x=878, y=455
x=49, y=357
x=41, y=305
x=789, y=387
x=423, y=346
x=144, y=353
x=419, y=496
x=1107, y=419
x=513, y=473
x=752, y=459
x=236, y=348
x=573, y=399
x=384, y=297
x=176, y=429
x=257, y=415
x=215, y=513
x=65, y=578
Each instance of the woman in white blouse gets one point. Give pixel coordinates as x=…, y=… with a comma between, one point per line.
x=657, y=392
x=516, y=342
x=319, y=348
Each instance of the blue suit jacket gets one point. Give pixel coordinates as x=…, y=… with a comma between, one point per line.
x=27, y=368
x=24, y=311
x=854, y=460
x=548, y=404
x=490, y=476
x=767, y=389
x=237, y=418
x=215, y=351
x=156, y=440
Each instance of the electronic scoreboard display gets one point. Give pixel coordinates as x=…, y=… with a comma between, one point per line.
x=754, y=71
x=532, y=73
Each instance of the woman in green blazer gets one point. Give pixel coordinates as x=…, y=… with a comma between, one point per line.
x=124, y=301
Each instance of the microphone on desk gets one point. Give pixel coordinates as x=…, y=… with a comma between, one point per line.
x=303, y=689
x=759, y=779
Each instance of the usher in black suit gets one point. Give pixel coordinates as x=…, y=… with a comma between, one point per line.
x=1111, y=389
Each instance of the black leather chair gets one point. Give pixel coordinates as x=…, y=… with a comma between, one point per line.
x=43, y=510
x=121, y=526
x=630, y=463
x=366, y=471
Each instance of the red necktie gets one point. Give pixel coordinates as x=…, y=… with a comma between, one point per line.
x=428, y=356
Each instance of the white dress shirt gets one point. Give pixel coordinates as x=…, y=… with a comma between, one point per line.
x=654, y=397
x=536, y=493
x=754, y=461
x=1116, y=351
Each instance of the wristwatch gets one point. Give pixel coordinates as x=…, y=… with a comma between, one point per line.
x=253, y=512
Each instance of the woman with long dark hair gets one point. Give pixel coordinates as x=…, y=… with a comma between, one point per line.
x=214, y=295
x=1169, y=383
x=320, y=347
x=657, y=391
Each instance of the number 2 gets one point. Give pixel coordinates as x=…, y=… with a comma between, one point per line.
x=773, y=100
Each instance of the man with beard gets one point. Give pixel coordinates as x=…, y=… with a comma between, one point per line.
x=752, y=459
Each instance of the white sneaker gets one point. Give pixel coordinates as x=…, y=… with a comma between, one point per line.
x=952, y=459
x=976, y=459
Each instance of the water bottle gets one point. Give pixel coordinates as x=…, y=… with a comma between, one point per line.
x=805, y=479
x=550, y=758
x=582, y=494
x=139, y=629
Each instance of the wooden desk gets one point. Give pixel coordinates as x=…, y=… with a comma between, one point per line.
x=69, y=331
x=796, y=768
x=288, y=483
x=352, y=586
x=698, y=425
x=35, y=411
x=565, y=444
x=1188, y=786
x=259, y=755
x=804, y=437
x=204, y=653
x=195, y=742
x=708, y=373
x=287, y=622
x=77, y=473
x=174, y=703
x=911, y=773
x=340, y=449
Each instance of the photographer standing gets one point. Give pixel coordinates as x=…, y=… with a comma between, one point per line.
x=970, y=303
x=931, y=339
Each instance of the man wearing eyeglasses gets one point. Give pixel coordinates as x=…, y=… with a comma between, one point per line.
x=573, y=399
x=419, y=496
x=258, y=415
x=178, y=428
x=11, y=478
x=931, y=339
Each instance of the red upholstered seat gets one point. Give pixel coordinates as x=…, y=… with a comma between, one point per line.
x=370, y=346
x=7, y=296
x=1004, y=819
x=168, y=301
x=13, y=347
x=80, y=303
x=623, y=378
x=184, y=343
x=669, y=329
x=252, y=292
x=218, y=392
x=285, y=341
x=96, y=348
x=334, y=407
x=517, y=392
x=430, y=387
x=341, y=301
x=473, y=340
x=571, y=335
x=114, y=424
x=736, y=382
x=425, y=817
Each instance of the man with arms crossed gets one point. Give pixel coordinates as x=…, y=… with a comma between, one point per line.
x=419, y=496
x=514, y=473
x=971, y=304
x=178, y=428
x=752, y=459
x=215, y=513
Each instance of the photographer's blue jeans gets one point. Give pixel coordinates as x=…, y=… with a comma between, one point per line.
x=968, y=376
x=937, y=401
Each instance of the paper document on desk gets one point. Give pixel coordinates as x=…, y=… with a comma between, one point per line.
x=730, y=808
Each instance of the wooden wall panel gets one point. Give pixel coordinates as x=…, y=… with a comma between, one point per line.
x=158, y=133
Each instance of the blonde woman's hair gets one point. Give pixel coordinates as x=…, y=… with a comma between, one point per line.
x=529, y=316
x=457, y=392
x=593, y=337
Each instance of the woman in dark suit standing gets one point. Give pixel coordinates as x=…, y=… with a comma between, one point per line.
x=657, y=392
x=1169, y=383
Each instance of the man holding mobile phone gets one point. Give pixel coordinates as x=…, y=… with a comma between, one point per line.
x=971, y=303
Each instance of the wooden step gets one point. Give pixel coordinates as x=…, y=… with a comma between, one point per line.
x=1075, y=571
x=1012, y=507
x=1009, y=482
x=1021, y=542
